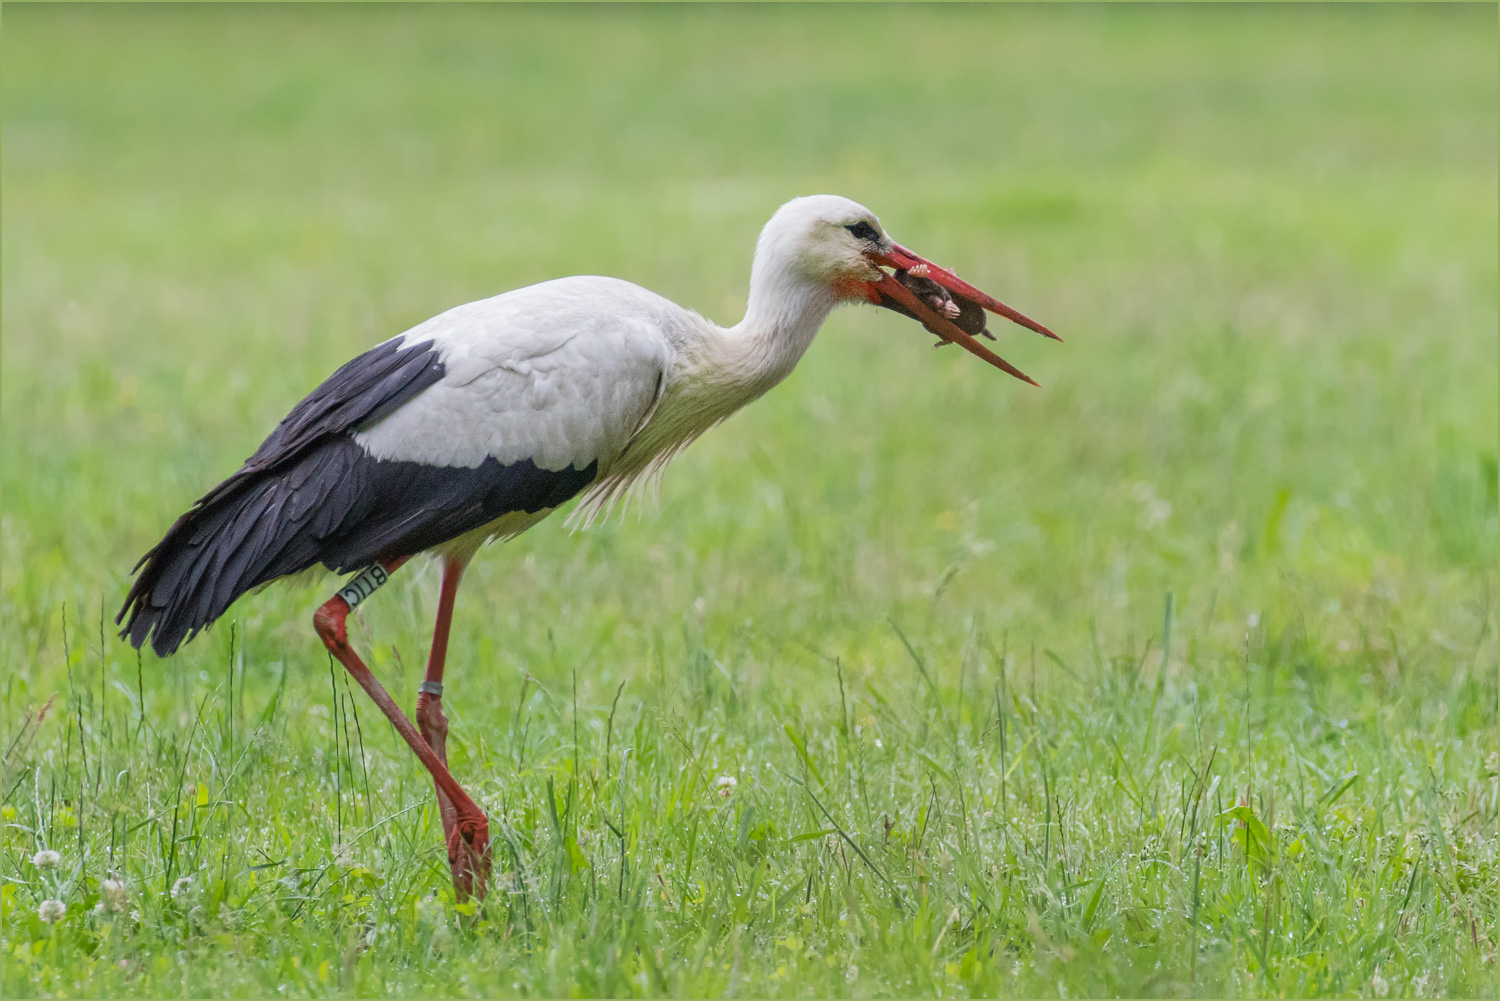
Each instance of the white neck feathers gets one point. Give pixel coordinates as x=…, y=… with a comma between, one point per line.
x=782, y=316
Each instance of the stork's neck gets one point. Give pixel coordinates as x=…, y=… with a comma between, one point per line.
x=782, y=316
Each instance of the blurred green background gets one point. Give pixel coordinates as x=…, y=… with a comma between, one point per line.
x=1266, y=234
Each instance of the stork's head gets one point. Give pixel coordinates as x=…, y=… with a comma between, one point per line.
x=837, y=243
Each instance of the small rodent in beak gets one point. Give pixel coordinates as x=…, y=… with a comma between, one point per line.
x=967, y=315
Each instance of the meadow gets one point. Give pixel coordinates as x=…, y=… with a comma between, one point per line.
x=1176, y=676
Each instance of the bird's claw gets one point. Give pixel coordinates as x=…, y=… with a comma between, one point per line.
x=469, y=856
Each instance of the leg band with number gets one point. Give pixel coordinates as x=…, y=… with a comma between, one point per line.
x=366, y=583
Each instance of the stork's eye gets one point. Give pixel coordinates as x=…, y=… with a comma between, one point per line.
x=864, y=231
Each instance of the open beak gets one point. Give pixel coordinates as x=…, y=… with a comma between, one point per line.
x=960, y=301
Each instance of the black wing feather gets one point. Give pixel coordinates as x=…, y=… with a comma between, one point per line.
x=310, y=494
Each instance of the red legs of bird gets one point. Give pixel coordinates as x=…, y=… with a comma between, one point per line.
x=468, y=839
x=430, y=718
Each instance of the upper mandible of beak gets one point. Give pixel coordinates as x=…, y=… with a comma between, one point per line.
x=887, y=290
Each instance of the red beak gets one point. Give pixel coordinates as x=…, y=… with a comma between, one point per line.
x=893, y=294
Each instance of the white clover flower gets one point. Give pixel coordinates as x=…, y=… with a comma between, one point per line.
x=724, y=785
x=46, y=859
x=181, y=886
x=112, y=892
x=52, y=911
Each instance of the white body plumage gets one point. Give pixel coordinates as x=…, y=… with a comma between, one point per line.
x=589, y=369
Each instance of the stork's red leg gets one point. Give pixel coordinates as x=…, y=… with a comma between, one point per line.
x=468, y=843
x=430, y=718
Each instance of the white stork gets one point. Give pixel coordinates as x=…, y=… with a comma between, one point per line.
x=478, y=423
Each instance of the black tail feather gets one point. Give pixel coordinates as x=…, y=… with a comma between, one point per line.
x=336, y=506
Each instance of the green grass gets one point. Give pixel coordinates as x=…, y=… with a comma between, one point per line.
x=918, y=610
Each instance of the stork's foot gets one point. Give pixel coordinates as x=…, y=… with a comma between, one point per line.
x=469, y=856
